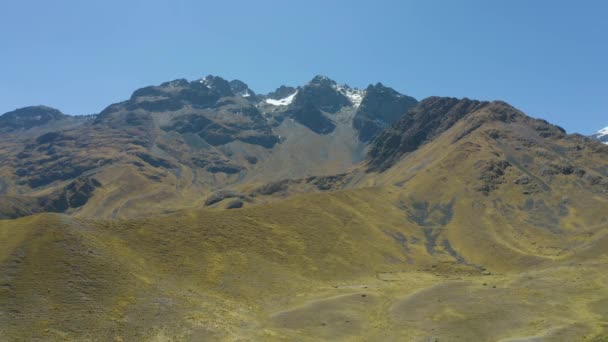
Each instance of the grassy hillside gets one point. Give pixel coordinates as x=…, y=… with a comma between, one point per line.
x=346, y=265
x=484, y=225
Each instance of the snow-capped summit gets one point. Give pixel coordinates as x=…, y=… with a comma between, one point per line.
x=601, y=135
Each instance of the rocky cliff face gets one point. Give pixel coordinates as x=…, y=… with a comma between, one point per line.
x=314, y=104
x=380, y=107
x=429, y=118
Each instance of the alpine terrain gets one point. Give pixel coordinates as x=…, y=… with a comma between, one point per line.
x=204, y=211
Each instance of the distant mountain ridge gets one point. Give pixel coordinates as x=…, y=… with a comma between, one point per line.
x=29, y=117
x=183, y=139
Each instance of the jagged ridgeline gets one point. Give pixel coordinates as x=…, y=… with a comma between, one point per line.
x=202, y=210
x=181, y=141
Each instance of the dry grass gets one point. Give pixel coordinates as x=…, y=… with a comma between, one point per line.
x=439, y=247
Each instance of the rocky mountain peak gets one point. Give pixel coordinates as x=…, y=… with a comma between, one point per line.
x=181, y=82
x=281, y=92
x=240, y=88
x=28, y=117
x=380, y=107
x=322, y=81
x=218, y=85
x=322, y=93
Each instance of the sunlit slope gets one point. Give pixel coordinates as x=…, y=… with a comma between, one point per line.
x=510, y=192
x=316, y=266
x=61, y=273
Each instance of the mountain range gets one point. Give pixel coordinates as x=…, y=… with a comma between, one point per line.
x=201, y=210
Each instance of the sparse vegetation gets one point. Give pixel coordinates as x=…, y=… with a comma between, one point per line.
x=469, y=221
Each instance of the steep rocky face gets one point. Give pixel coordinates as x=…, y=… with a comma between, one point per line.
x=490, y=147
x=380, y=107
x=230, y=121
x=169, y=97
x=429, y=118
x=308, y=114
x=322, y=93
x=315, y=103
x=281, y=92
x=29, y=117
x=217, y=85
x=240, y=88
x=208, y=108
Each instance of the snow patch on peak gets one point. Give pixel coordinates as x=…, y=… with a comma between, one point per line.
x=282, y=102
x=601, y=135
x=208, y=81
x=354, y=95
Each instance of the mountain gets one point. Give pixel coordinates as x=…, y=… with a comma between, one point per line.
x=180, y=141
x=29, y=117
x=380, y=107
x=205, y=211
x=601, y=135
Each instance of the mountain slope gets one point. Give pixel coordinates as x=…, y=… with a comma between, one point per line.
x=494, y=174
x=465, y=221
x=338, y=266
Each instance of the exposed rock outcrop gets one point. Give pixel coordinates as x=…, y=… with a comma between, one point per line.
x=29, y=117
x=380, y=107
x=431, y=117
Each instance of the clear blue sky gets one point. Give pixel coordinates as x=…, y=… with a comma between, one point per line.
x=548, y=58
